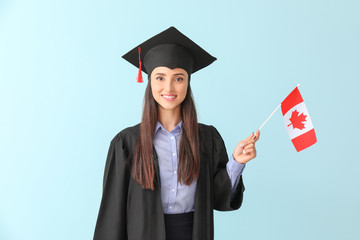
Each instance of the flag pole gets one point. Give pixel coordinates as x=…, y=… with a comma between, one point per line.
x=270, y=116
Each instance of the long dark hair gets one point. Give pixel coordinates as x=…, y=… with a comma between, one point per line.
x=189, y=157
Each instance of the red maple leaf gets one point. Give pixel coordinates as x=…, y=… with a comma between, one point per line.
x=296, y=120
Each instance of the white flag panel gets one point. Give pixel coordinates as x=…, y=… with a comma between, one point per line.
x=295, y=132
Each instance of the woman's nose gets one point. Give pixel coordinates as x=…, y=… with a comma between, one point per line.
x=169, y=86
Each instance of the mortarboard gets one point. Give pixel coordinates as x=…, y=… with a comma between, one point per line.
x=171, y=49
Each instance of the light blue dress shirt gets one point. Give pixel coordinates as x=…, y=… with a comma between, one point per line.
x=177, y=197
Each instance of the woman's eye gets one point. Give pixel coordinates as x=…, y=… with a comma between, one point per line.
x=179, y=79
x=159, y=78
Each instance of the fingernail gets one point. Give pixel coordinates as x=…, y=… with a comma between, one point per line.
x=241, y=144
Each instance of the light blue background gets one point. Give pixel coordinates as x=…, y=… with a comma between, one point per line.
x=65, y=92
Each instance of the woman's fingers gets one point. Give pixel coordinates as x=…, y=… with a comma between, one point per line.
x=257, y=135
x=250, y=151
x=250, y=145
x=248, y=140
x=253, y=137
x=245, y=150
x=250, y=137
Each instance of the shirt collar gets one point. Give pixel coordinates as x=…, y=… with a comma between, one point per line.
x=176, y=130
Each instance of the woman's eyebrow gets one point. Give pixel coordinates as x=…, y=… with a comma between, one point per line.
x=176, y=74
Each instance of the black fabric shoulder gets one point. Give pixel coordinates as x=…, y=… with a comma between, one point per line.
x=204, y=128
x=135, y=130
x=128, y=138
x=127, y=132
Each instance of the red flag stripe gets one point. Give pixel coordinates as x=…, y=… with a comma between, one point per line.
x=290, y=101
x=304, y=140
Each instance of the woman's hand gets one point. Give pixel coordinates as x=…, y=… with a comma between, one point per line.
x=245, y=150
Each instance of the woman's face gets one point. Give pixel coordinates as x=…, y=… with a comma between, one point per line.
x=169, y=87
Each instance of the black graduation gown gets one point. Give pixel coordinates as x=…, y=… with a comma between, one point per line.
x=129, y=212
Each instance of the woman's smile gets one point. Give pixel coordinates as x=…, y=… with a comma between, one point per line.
x=169, y=97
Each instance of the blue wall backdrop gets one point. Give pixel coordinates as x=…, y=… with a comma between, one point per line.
x=65, y=92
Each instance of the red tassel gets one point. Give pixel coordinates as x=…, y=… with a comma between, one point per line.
x=139, y=77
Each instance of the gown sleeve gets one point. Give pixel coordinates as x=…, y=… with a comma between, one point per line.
x=224, y=198
x=111, y=221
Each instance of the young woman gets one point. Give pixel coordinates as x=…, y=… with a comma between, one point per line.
x=165, y=176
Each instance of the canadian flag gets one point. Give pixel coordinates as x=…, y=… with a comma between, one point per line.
x=297, y=121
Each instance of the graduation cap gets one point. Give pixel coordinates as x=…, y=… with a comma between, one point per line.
x=171, y=49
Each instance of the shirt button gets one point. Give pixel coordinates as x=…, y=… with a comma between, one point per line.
x=170, y=207
x=174, y=154
x=172, y=137
x=173, y=190
x=175, y=172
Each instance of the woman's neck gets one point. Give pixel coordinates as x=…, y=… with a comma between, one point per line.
x=169, y=118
